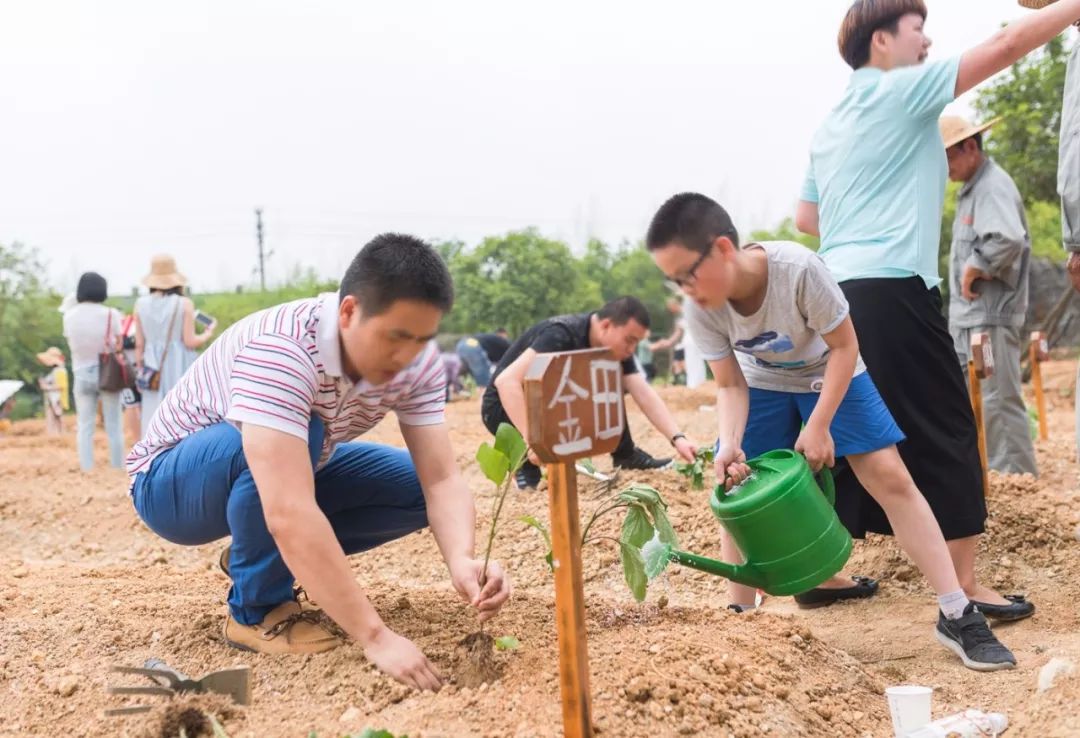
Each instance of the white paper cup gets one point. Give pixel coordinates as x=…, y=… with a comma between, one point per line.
x=910, y=708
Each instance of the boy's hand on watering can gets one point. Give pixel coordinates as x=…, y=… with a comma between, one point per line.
x=816, y=444
x=731, y=465
x=486, y=591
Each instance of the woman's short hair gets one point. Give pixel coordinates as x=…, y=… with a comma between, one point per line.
x=92, y=288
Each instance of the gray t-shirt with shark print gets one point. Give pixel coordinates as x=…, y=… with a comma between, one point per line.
x=780, y=346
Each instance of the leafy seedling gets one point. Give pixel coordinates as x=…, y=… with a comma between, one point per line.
x=507, y=643
x=695, y=470
x=499, y=463
x=645, y=520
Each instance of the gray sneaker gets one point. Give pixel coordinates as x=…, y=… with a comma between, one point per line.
x=970, y=638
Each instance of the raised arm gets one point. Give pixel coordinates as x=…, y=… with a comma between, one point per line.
x=1014, y=42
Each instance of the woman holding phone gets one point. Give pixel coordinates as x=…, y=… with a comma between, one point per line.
x=165, y=338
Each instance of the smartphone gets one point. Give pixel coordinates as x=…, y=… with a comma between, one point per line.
x=203, y=318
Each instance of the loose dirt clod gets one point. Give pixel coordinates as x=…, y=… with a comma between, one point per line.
x=191, y=714
x=478, y=666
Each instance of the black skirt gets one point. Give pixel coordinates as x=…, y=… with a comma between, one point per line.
x=904, y=340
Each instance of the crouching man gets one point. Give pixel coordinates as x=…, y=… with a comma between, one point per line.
x=256, y=442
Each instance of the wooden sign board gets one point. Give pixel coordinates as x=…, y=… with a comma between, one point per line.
x=575, y=404
x=1041, y=346
x=982, y=355
x=575, y=410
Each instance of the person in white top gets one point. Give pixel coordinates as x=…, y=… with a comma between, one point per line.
x=91, y=329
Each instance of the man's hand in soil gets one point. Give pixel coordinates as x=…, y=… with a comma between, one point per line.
x=731, y=465
x=467, y=575
x=1073, y=268
x=816, y=444
x=399, y=658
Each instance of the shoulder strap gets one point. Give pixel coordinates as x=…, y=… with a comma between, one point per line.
x=168, y=337
x=108, y=328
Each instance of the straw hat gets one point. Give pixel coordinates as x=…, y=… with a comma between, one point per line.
x=51, y=356
x=1036, y=4
x=163, y=274
x=955, y=129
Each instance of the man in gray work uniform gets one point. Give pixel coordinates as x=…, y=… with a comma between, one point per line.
x=988, y=287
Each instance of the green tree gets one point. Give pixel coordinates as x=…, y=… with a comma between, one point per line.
x=1027, y=98
x=29, y=320
x=632, y=272
x=786, y=231
x=516, y=280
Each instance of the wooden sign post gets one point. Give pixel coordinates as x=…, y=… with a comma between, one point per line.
x=575, y=410
x=1038, y=352
x=980, y=366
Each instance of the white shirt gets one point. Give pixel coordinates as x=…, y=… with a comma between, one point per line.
x=85, y=328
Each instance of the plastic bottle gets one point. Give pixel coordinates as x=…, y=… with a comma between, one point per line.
x=966, y=724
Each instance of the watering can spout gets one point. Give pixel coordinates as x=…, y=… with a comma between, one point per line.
x=738, y=573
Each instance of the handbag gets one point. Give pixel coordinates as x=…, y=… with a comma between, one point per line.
x=114, y=374
x=148, y=379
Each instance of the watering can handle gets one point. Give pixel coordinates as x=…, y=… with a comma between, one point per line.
x=827, y=484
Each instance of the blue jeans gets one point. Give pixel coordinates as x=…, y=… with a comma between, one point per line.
x=474, y=356
x=202, y=490
x=86, y=398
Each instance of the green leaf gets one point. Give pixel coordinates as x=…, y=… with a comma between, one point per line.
x=507, y=643
x=372, y=733
x=663, y=525
x=588, y=465
x=534, y=523
x=633, y=570
x=640, y=493
x=509, y=441
x=636, y=529
x=493, y=463
x=657, y=556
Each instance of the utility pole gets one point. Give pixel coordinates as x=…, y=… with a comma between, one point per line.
x=262, y=255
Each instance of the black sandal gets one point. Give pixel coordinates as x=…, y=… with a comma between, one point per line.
x=1017, y=609
x=863, y=588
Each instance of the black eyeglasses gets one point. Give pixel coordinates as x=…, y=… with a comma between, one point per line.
x=691, y=273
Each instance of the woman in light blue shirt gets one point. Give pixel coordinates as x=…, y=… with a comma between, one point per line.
x=874, y=192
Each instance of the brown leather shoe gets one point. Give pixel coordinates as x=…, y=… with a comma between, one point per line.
x=299, y=593
x=288, y=628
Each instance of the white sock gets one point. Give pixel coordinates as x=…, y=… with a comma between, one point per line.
x=953, y=604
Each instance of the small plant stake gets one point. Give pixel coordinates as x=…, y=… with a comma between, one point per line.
x=575, y=410
x=1039, y=351
x=980, y=366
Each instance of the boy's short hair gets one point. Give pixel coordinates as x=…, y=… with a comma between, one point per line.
x=691, y=220
x=392, y=267
x=863, y=18
x=92, y=288
x=622, y=310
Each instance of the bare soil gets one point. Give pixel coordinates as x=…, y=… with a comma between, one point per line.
x=84, y=585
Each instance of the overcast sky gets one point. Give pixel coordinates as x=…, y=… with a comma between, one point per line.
x=130, y=128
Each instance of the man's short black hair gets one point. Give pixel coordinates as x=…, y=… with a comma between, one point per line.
x=500, y=329
x=622, y=310
x=691, y=220
x=392, y=267
x=92, y=288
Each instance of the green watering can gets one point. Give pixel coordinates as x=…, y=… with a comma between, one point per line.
x=784, y=524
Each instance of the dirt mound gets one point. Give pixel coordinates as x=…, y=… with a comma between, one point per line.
x=84, y=585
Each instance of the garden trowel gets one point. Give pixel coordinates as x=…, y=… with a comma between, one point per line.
x=234, y=682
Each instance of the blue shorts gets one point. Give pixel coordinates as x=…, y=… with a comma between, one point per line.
x=862, y=423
